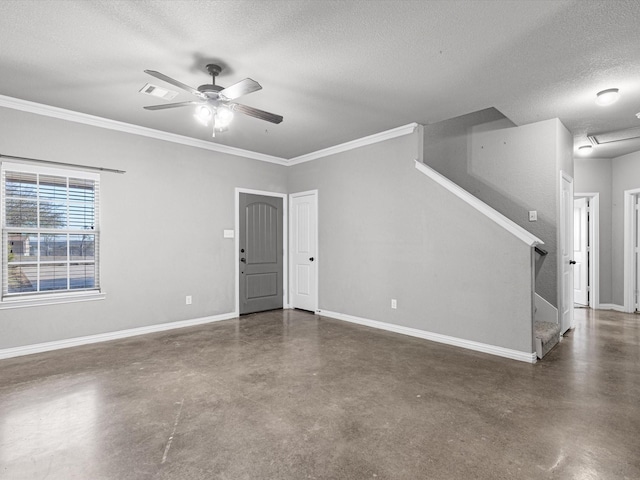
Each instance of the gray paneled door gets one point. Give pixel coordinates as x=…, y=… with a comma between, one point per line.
x=261, y=254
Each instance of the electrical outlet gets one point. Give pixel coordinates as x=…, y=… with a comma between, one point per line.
x=188, y=300
x=394, y=303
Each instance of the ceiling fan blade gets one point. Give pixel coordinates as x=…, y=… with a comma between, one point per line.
x=175, y=83
x=261, y=114
x=243, y=87
x=171, y=105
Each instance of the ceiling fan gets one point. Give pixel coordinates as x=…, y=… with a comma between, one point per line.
x=215, y=103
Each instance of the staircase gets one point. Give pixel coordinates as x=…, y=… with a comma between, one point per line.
x=547, y=335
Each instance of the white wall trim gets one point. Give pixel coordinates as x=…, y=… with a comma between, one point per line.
x=629, y=221
x=77, y=117
x=479, y=205
x=528, y=357
x=361, y=142
x=594, y=240
x=105, y=337
x=612, y=306
x=285, y=243
x=53, y=299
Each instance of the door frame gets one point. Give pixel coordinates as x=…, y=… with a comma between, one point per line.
x=630, y=229
x=594, y=246
x=285, y=243
x=317, y=276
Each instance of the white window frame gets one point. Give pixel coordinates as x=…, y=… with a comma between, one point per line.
x=51, y=297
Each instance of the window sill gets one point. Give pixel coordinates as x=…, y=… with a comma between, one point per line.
x=40, y=300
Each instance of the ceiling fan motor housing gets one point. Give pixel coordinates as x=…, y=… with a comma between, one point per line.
x=210, y=88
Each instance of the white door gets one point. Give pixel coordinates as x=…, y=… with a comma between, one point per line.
x=580, y=252
x=304, y=261
x=565, y=303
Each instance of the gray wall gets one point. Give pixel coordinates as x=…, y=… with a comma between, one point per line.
x=625, y=176
x=387, y=231
x=512, y=169
x=162, y=227
x=594, y=175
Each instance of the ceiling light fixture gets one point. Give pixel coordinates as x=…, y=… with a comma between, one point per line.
x=223, y=118
x=203, y=114
x=585, y=150
x=607, y=97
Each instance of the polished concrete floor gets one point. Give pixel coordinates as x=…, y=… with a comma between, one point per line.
x=288, y=395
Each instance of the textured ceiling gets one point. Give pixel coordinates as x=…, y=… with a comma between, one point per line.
x=336, y=70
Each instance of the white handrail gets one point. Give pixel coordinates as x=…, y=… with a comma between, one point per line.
x=479, y=205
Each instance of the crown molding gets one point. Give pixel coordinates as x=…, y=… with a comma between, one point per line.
x=100, y=122
x=86, y=119
x=361, y=142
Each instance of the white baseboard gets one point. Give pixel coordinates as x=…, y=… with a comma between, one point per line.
x=528, y=357
x=105, y=337
x=611, y=306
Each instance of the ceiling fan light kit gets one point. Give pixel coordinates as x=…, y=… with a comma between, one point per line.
x=223, y=117
x=203, y=114
x=216, y=102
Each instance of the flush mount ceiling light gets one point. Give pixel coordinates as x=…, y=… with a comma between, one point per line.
x=607, y=97
x=585, y=150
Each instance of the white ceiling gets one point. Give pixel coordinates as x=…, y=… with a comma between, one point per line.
x=336, y=70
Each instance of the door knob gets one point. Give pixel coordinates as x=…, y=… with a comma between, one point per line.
x=243, y=260
x=311, y=259
x=572, y=262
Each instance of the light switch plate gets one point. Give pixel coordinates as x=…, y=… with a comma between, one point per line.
x=533, y=215
x=229, y=234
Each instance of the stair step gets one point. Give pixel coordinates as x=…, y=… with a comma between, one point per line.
x=547, y=335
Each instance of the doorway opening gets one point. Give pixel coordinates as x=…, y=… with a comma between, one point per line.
x=586, y=239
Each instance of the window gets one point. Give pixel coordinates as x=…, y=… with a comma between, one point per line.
x=50, y=232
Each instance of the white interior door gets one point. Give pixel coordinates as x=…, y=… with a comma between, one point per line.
x=580, y=252
x=304, y=240
x=565, y=303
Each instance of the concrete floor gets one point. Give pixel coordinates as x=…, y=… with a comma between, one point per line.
x=288, y=395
